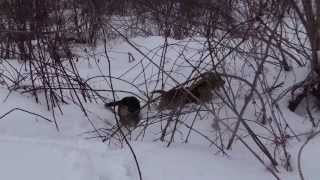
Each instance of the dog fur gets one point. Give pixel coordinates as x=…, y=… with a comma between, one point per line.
x=128, y=110
x=199, y=92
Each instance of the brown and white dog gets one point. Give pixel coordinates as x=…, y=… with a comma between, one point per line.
x=128, y=111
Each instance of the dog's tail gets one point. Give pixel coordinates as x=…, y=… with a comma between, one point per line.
x=159, y=91
x=110, y=104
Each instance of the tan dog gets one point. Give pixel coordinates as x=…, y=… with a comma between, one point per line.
x=206, y=83
x=199, y=92
x=174, y=98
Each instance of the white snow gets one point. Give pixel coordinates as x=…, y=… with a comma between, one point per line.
x=32, y=149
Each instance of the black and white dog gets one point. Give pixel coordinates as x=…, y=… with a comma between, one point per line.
x=128, y=110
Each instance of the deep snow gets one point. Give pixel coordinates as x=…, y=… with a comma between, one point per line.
x=31, y=148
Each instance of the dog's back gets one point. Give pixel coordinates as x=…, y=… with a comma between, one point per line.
x=200, y=91
x=174, y=98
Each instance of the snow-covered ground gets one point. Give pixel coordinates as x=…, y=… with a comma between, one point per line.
x=32, y=148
